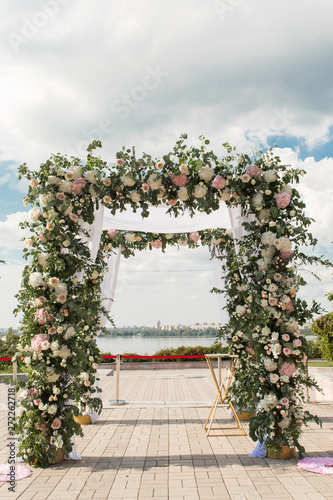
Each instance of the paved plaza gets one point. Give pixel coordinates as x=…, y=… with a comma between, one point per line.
x=155, y=446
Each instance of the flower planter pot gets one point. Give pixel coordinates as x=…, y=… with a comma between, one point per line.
x=83, y=419
x=244, y=416
x=57, y=457
x=284, y=454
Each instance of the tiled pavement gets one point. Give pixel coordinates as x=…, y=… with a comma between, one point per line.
x=155, y=447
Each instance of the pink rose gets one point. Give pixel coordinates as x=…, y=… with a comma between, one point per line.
x=219, y=182
x=282, y=199
x=145, y=187
x=253, y=170
x=287, y=369
x=285, y=402
x=40, y=316
x=56, y=424
x=37, y=402
x=119, y=162
x=50, y=318
x=73, y=217
x=180, y=180
x=273, y=301
x=36, y=342
x=172, y=202
x=156, y=244
x=194, y=236
x=61, y=196
x=289, y=306
x=34, y=391
x=286, y=351
x=285, y=337
x=52, y=330
x=78, y=185
x=41, y=237
x=297, y=343
x=112, y=233
x=250, y=350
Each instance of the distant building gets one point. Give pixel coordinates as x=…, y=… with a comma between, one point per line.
x=158, y=325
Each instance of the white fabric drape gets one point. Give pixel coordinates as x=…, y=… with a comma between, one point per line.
x=161, y=222
x=109, y=284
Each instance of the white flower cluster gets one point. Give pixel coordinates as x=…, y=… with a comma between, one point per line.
x=268, y=402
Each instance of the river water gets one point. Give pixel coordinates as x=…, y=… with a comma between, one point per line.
x=147, y=346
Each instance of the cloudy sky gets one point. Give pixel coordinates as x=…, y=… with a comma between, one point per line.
x=254, y=73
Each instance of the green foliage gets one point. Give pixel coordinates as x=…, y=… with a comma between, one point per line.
x=323, y=327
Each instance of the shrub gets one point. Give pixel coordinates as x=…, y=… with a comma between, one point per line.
x=323, y=327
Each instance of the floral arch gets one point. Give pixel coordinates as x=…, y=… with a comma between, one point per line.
x=68, y=252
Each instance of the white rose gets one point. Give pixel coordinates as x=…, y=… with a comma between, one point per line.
x=274, y=378
x=130, y=237
x=52, y=409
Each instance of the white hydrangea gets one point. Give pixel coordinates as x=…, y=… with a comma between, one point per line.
x=276, y=350
x=285, y=422
x=183, y=193
x=240, y=310
x=206, y=173
x=65, y=187
x=268, y=252
x=84, y=376
x=268, y=238
x=270, y=176
x=283, y=244
x=92, y=192
x=264, y=214
x=263, y=264
x=224, y=195
x=258, y=199
x=270, y=365
x=135, y=196
x=154, y=181
x=70, y=332
x=60, y=288
x=52, y=180
x=266, y=331
x=51, y=375
x=200, y=191
x=36, y=280
x=64, y=352
x=127, y=180
x=216, y=241
x=92, y=176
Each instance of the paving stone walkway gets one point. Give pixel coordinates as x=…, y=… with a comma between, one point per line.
x=154, y=447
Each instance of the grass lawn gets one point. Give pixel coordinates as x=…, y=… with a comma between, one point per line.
x=318, y=362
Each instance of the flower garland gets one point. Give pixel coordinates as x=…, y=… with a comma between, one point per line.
x=61, y=301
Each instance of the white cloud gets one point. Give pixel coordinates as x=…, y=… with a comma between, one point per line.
x=216, y=79
x=11, y=232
